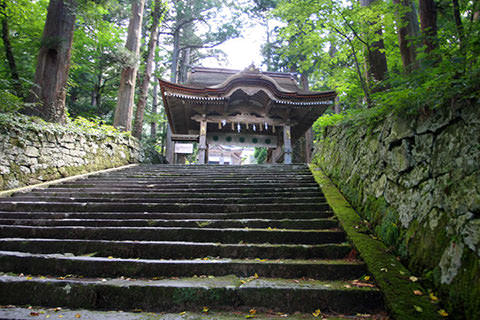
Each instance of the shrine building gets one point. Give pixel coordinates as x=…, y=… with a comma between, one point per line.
x=248, y=108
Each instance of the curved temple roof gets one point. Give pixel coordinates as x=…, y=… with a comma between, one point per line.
x=223, y=92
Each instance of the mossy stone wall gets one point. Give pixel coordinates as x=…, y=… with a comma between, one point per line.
x=416, y=180
x=35, y=154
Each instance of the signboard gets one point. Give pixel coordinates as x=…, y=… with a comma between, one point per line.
x=185, y=148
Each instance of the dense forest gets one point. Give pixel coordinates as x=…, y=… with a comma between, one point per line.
x=100, y=60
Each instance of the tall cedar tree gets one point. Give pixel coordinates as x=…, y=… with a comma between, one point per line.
x=428, y=23
x=407, y=33
x=376, y=60
x=152, y=45
x=53, y=64
x=126, y=93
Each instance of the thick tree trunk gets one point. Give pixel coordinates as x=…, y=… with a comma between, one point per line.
x=49, y=89
x=17, y=86
x=126, y=92
x=377, y=62
x=152, y=45
x=153, y=124
x=407, y=34
x=428, y=23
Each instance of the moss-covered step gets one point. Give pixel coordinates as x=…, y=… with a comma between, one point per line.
x=176, y=250
x=12, y=205
x=180, y=294
x=166, y=215
x=226, y=235
x=55, y=264
x=404, y=297
x=309, y=224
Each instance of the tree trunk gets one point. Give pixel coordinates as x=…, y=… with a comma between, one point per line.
x=428, y=23
x=185, y=63
x=376, y=60
x=17, y=86
x=126, y=92
x=407, y=34
x=51, y=74
x=152, y=45
x=458, y=22
x=175, y=54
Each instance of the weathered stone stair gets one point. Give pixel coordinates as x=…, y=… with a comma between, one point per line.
x=170, y=238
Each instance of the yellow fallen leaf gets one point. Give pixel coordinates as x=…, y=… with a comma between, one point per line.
x=433, y=297
x=29, y=278
x=78, y=315
x=182, y=313
x=443, y=313
x=255, y=275
x=413, y=279
x=34, y=314
x=316, y=313
x=384, y=269
x=205, y=310
x=417, y=292
x=110, y=257
x=250, y=316
x=366, y=278
x=243, y=281
x=418, y=308
x=60, y=316
x=47, y=316
x=253, y=311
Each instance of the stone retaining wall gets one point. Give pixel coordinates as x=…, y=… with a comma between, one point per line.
x=32, y=154
x=416, y=182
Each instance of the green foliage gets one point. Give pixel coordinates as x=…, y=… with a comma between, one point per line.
x=9, y=102
x=94, y=127
x=260, y=155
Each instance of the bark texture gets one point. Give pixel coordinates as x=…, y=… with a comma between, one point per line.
x=126, y=92
x=51, y=74
x=428, y=23
x=152, y=45
x=407, y=34
x=376, y=60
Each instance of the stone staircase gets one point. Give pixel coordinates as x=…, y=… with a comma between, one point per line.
x=174, y=238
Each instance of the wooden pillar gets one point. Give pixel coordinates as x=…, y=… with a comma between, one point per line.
x=308, y=145
x=202, y=146
x=287, y=145
x=170, y=146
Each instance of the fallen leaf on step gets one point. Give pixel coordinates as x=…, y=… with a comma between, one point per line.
x=255, y=275
x=433, y=297
x=205, y=310
x=362, y=284
x=418, y=308
x=366, y=278
x=417, y=292
x=78, y=315
x=182, y=313
x=413, y=279
x=443, y=313
x=316, y=313
x=34, y=314
x=253, y=311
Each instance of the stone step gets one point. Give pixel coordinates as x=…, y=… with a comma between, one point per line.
x=10, y=204
x=325, y=223
x=166, y=215
x=60, y=264
x=233, y=189
x=186, y=185
x=188, y=293
x=175, y=249
x=157, y=195
x=226, y=199
x=226, y=235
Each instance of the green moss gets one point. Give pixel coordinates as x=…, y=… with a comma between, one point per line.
x=390, y=275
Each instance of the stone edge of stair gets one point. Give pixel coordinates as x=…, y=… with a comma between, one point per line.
x=394, y=283
x=7, y=193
